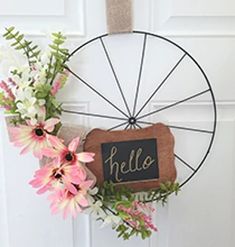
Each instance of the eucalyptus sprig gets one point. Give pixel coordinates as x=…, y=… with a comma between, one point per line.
x=162, y=193
x=58, y=56
x=19, y=42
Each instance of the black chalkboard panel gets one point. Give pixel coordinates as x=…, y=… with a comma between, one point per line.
x=129, y=161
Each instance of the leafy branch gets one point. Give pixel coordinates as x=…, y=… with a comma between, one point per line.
x=20, y=43
x=162, y=193
x=58, y=57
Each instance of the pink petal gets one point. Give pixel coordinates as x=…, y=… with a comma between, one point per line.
x=38, y=154
x=87, y=184
x=29, y=122
x=74, y=144
x=70, y=187
x=85, y=157
x=56, y=143
x=49, y=152
x=83, y=201
x=26, y=149
x=50, y=124
x=43, y=189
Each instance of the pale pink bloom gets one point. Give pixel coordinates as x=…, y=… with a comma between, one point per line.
x=56, y=87
x=33, y=137
x=137, y=213
x=59, y=82
x=67, y=154
x=52, y=175
x=5, y=87
x=62, y=200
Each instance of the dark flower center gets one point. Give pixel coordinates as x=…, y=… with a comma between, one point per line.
x=69, y=157
x=58, y=176
x=39, y=132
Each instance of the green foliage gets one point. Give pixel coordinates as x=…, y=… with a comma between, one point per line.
x=58, y=56
x=162, y=193
x=110, y=194
x=20, y=43
x=113, y=196
x=53, y=107
x=126, y=232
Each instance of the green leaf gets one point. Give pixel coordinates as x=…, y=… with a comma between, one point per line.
x=19, y=43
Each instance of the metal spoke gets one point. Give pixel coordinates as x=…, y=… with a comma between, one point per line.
x=160, y=85
x=138, y=126
x=174, y=104
x=94, y=90
x=127, y=126
x=140, y=74
x=185, y=163
x=115, y=76
x=92, y=114
x=190, y=129
x=117, y=126
x=181, y=127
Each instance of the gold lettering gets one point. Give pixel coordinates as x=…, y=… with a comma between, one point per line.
x=125, y=167
x=132, y=154
x=113, y=164
x=138, y=153
x=148, y=162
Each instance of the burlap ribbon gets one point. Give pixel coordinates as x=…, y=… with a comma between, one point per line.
x=119, y=16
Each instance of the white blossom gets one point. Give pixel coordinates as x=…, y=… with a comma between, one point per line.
x=95, y=210
x=111, y=219
x=27, y=104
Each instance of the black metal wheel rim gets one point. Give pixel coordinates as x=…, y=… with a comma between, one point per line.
x=133, y=119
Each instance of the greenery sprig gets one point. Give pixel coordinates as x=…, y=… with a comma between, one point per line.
x=18, y=41
x=113, y=196
x=58, y=56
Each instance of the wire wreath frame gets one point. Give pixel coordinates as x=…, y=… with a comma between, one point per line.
x=133, y=119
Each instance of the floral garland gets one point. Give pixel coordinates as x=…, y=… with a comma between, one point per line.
x=29, y=93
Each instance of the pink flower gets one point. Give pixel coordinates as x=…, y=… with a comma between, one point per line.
x=67, y=154
x=52, y=174
x=5, y=87
x=137, y=215
x=69, y=203
x=59, y=82
x=55, y=88
x=33, y=137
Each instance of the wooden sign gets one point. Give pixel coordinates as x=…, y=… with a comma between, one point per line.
x=129, y=161
x=140, y=159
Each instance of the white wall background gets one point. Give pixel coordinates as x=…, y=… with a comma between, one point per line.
x=203, y=214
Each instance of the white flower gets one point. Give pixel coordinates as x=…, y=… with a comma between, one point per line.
x=28, y=105
x=41, y=102
x=93, y=191
x=25, y=78
x=95, y=210
x=27, y=108
x=111, y=219
x=40, y=76
x=24, y=94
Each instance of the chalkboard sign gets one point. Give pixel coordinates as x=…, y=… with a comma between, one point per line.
x=129, y=161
